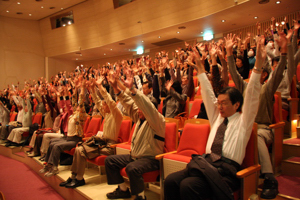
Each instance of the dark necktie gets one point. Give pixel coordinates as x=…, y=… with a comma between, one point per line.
x=216, y=147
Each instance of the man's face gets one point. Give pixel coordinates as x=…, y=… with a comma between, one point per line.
x=146, y=89
x=225, y=106
x=141, y=114
x=184, y=80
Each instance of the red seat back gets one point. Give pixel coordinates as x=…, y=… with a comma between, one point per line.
x=193, y=139
x=124, y=131
x=131, y=133
x=170, y=137
x=37, y=118
x=195, y=108
x=251, y=156
x=101, y=127
x=86, y=124
x=13, y=116
x=93, y=127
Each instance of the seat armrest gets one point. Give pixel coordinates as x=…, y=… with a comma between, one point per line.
x=160, y=156
x=277, y=125
x=85, y=139
x=293, y=99
x=115, y=145
x=248, y=171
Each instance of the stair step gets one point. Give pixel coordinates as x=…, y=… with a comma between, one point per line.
x=291, y=147
x=291, y=167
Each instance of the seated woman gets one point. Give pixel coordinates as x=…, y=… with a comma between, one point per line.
x=74, y=133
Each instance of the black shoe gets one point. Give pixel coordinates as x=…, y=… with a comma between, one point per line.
x=119, y=194
x=42, y=158
x=63, y=184
x=270, y=189
x=75, y=183
x=140, y=198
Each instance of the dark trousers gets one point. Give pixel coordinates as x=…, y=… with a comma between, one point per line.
x=57, y=146
x=134, y=169
x=38, y=144
x=192, y=185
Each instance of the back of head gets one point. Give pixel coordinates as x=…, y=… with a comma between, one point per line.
x=177, y=87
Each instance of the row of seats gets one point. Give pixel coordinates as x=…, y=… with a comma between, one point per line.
x=178, y=153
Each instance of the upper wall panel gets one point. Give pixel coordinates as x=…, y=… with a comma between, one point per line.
x=97, y=23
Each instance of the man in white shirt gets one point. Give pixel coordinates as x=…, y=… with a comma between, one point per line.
x=223, y=113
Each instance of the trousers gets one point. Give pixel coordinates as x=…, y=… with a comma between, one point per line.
x=135, y=168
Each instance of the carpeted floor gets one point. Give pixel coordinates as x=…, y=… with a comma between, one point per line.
x=289, y=185
x=17, y=181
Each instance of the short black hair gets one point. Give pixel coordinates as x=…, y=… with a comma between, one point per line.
x=149, y=84
x=177, y=87
x=234, y=96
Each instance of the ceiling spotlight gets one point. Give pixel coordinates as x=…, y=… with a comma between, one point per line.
x=19, y=3
x=158, y=36
x=223, y=20
x=61, y=8
x=80, y=54
x=42, y=6
x=76, y=58
x=128, y=49
x=278, y=2
x=142, y=40
x=255, y=17
x=30, y=14
x=69, y=22
x=104, y=53
x=7, y=11
x=178, y=32
x=201, y=32
x=111, y=49
x=64, y=24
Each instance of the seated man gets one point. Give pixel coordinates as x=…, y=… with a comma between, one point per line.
x=147, y=142
x=113, y=120
x=227, y=141
x=74, y=135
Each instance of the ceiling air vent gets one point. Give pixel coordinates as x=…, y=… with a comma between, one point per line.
x=263, y=1
x=167, y=42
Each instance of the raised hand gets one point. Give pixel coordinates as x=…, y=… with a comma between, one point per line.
x=229, y=42
x=129, y=79
x=282, y=41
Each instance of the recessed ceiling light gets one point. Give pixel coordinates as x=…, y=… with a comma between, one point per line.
x=69, y=22
x=7, y=11
x=278, y=2
x=30, y=14
x=61, y=8
x=223, y=20
x=64, y=24
x=255, y=17
x=76, y=58
x=178, y=32
x=201, y=31
x=128, y=49
x=104, y=53
x=158, y=36
x=42, y=6
x=80, y=54
x=111, y=49
x=19, y=3
x=142, y=40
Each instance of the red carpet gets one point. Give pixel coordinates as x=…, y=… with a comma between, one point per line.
x=289, y=185
x=292, y=141
x=17, y=181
